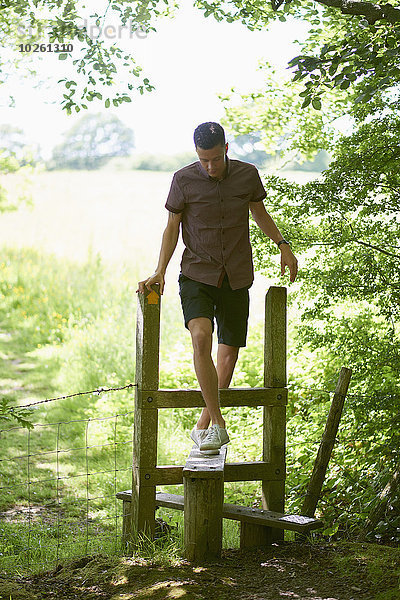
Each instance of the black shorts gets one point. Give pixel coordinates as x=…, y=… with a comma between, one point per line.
x=229, y=307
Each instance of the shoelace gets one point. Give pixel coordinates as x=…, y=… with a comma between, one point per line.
x=212, y=436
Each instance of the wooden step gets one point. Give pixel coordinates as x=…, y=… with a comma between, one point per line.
x=204, y=467
x=255, y=516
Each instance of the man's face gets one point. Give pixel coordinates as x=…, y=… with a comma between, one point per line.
x=213, y=160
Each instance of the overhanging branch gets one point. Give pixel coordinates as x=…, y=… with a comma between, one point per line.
x=372, y=12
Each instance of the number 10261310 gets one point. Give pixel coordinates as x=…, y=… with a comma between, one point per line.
x=46, y=47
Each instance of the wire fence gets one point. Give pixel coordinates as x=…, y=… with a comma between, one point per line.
x=59, y=482
x=58, y=489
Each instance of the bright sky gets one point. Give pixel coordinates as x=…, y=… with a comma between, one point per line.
x=189, y=59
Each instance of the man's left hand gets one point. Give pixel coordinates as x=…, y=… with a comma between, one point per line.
x=289, y=260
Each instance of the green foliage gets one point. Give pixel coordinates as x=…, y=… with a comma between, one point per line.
x=349, y=47
x=285, y=128
x=92, y=142
x=101, y=64
x=363, y=57
x=345, y=226
x=14, y=414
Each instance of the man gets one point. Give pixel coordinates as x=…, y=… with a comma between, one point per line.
x=211, y=198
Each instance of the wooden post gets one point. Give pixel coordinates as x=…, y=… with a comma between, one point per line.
x=203, y=480
x=274, y=426
x=327, y=443
x=146, y=418
x=274, y=419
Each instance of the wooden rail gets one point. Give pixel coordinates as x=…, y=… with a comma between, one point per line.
x=252, y=397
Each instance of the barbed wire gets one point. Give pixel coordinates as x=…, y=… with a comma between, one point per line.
x=99, y=390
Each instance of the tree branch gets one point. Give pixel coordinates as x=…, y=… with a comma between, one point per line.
x=372, y=12
x=366, y=244
x=377, y=248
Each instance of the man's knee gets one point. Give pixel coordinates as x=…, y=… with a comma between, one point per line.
x=201, y=332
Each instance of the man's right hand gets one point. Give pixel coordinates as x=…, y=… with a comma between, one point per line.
x=147, y=283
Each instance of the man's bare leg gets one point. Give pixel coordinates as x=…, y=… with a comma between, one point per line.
x=226, y=361
x=201, y=331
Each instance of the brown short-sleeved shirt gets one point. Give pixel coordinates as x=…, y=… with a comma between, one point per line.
x=215, y=221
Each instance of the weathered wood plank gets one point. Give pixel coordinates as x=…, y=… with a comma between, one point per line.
x=202, y=466
x=203, y=481
x=253, y=397
x=126, y=521
x=256, y=516
x=327, y=443
x=270, y=518
x=256, y=471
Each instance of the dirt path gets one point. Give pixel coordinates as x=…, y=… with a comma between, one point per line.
x=292, y=571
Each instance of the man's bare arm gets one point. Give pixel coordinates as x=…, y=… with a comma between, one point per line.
x=168, y=245
x=268, y=226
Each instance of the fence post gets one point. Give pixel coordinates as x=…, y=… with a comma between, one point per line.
x=274, y=421
x=143, y=503
x=203, y=480
x=327, y=443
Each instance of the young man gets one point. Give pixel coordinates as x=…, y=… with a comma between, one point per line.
x=211, y=199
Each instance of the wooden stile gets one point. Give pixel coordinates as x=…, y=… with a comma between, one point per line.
x=203, y=480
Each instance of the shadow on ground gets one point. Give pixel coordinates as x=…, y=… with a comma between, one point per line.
x=342, y=571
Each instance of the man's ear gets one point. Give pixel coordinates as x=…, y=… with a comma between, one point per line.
x=226, y=148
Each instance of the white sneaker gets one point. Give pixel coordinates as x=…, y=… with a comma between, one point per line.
x=223, y=434
x=215, y=438
x=198, y=435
